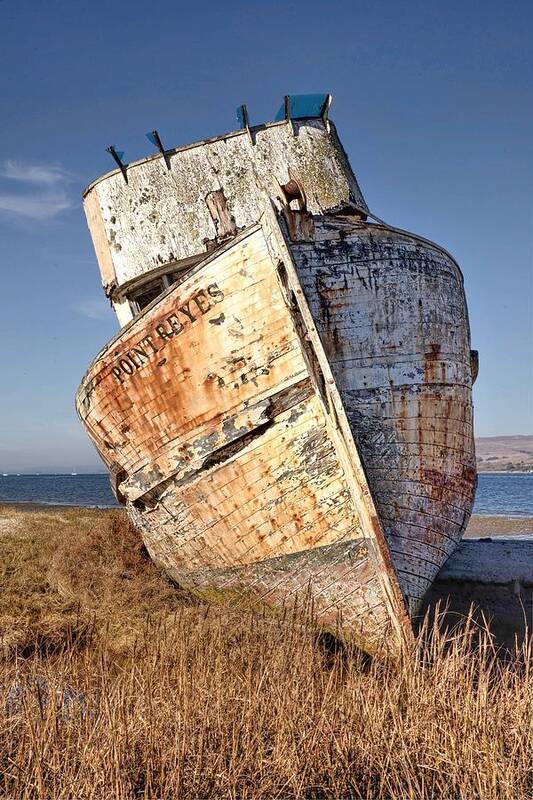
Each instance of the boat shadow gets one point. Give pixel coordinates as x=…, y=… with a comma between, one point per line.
x=494, y=577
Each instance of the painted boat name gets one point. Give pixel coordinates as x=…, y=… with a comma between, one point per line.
x=185, y=315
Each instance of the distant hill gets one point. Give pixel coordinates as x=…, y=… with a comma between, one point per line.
x=504, y=453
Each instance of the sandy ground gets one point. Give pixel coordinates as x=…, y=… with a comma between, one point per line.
x=8, y=524
x=481, y=526
x=13, y=515
x=495, y=576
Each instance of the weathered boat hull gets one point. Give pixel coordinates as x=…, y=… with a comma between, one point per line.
x=391, y=312
x=223, y=430
x=291, y=419
x=235, y=447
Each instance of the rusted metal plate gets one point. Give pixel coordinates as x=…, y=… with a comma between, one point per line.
x=231, y=457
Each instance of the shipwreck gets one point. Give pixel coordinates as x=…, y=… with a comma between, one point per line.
x=286, y=410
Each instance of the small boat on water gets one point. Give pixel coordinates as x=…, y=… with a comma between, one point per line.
x=286, y=410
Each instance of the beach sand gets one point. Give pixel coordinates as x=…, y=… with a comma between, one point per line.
x=498, y=527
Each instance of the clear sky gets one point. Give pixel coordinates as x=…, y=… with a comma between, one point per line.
x=433, y=102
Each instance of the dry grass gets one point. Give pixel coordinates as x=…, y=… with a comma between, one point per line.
x=74, y=575
x=201, y=703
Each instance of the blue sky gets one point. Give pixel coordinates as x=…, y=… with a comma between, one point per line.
x=433, y=102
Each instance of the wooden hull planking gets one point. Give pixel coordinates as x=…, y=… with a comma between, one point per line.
x=217, y=411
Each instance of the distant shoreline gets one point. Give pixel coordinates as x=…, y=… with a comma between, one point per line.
x=53, y=474
x=505, y=471
x=30, y=505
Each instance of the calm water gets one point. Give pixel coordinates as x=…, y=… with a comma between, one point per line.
x=507, y=495
x=68, y=490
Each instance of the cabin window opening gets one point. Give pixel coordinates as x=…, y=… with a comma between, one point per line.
x=147, y=293
x=141, y=296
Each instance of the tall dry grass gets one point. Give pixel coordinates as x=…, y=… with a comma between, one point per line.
x=203, y=703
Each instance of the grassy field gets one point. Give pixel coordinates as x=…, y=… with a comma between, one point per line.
x=115, y=685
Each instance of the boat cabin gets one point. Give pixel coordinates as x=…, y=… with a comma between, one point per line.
x=153, y=219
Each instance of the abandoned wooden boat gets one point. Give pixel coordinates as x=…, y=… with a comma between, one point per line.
x=286, y=410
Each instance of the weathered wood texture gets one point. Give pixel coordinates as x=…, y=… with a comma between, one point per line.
x=392, y=316
x=163, y=216
x=206, y=410
x=295, y=413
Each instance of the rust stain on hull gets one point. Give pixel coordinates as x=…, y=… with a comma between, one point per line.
x=292, y=417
